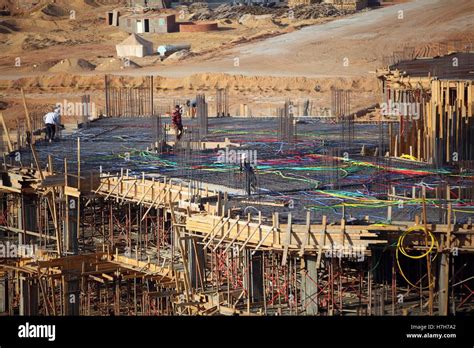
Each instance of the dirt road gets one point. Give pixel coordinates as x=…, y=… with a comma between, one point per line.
x=290, y=65
x=346, y=47
x=361, y=40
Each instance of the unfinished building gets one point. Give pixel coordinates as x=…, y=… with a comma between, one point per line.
x=432, y=103
x=117, y=218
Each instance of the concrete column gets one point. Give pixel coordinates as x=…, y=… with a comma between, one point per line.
x=4, y=294
x=72, y=294
x=70, y=237
x=174, y=237
x=28, y=296
x=310, y=285
x=196, y=263
x=256, y=276
x=443, y=284
x=27, y=217
x=3, y=207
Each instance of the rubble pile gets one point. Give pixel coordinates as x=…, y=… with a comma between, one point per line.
x=227, y=11
x=313, y=11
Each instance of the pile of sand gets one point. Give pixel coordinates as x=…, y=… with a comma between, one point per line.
x=177, y=56
x=257, y=21
x=204, y=82
x=37, y=66
x=10, y=7
x=42, y=66
x=112, y=64
x=36, y=25
x=5, y=5
x=72, y=65
x=91, y=3
x=40, y=41
x=55, y=11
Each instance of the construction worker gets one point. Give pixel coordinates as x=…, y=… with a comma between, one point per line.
x=177, y=122
x=192, y=104
x=250, y=177
x=51, y=121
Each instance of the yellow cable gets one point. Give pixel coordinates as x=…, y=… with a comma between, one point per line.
x=401, y=249
x=409, y=157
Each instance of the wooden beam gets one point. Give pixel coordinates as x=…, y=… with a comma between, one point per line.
x=306, y=240
x=227, y=233
x=7, y=134
x=287, y=241
x=322, y=242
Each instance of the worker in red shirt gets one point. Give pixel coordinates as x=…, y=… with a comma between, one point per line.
x=177, y=122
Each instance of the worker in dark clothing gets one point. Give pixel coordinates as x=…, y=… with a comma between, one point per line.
x=250, y=177
x=177, y=122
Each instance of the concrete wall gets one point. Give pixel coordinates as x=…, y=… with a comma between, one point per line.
x=164, y=24
x=128, y=24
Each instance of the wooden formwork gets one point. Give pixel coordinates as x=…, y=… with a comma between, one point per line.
x=434, y=116
x=150, y=192
x=102, y=280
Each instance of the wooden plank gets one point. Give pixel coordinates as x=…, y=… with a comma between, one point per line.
x=287, y=241
x=7, y=134
x=72, y=191
x=241, y=229
x=343, y=230
x=306, y=239
x=262, y=240
x=155, y=203
x=250, y=237
x=322, y=242
x=212, y=230
x=226, y=233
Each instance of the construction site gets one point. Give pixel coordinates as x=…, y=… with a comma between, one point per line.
x=300, y=158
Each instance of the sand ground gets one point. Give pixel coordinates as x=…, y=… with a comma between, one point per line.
x=261, y=64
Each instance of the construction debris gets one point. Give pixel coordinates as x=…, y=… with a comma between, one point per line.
x=227, y=11
x=313, y=11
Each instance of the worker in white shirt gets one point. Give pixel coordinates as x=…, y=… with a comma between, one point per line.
x=51, y=120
